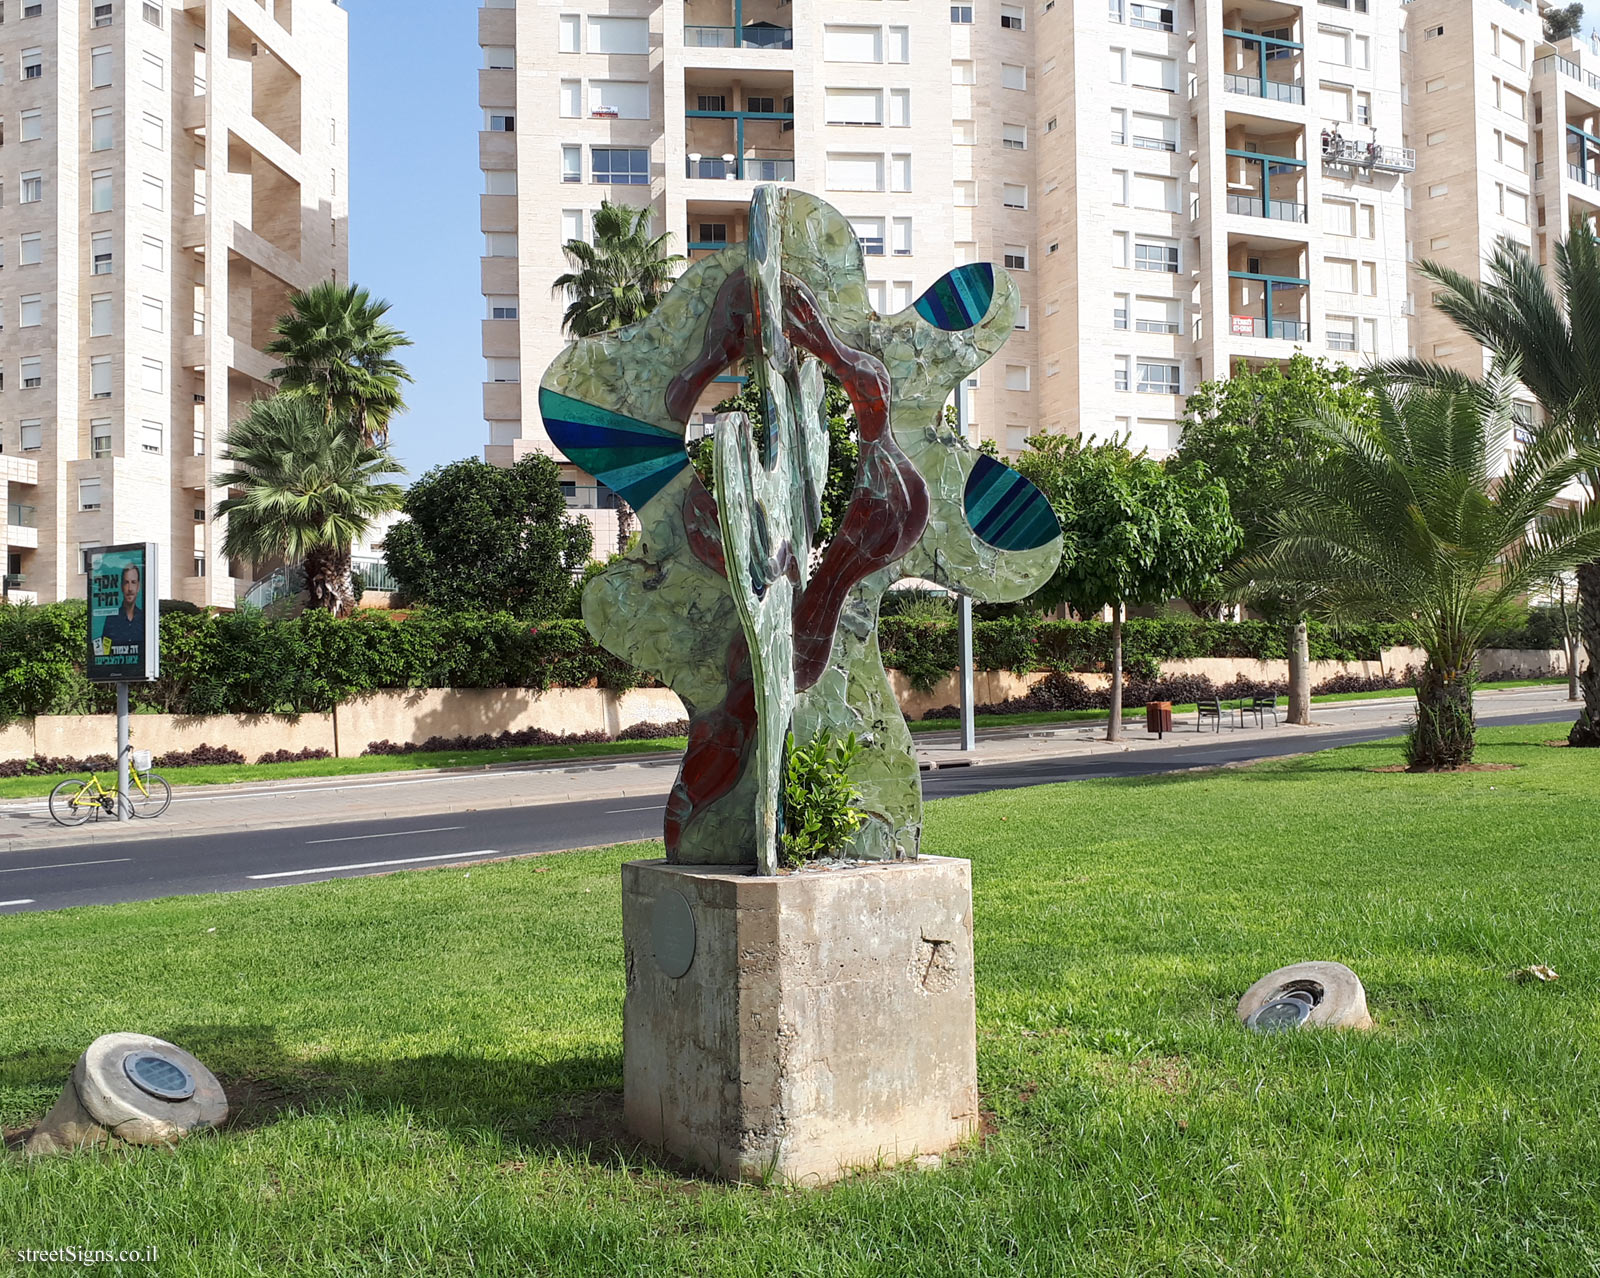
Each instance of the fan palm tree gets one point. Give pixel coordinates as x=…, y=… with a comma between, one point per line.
x=306, y=488
x=619, y=278
x=1554, y=337
x=336, y=347
x=1408, y=517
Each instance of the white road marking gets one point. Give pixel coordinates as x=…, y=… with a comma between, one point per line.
x=64, y=865
x=25, y=901
x=649, y=807
x=398, y=834
x=373, y=865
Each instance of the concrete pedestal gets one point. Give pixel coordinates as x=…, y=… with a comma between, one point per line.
x=800, y=1026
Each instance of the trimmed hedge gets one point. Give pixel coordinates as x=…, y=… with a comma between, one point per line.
x=925, y=651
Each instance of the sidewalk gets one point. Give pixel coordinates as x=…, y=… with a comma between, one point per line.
x=26, y=823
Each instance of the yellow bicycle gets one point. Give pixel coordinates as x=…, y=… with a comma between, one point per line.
x=74, y=801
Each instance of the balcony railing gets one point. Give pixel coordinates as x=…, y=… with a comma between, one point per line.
x=1568, y=67
x=1369, y=155
x=755, y=36
x=1279, y=210
x=20, y=516
x=750, y=169
x=1277, y=330
x=1154, y=144
x=589, y=497
x=14, y=580
x=1589, y=177
x=1273, y=90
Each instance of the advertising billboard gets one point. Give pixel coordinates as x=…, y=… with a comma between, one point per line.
x=124, y=614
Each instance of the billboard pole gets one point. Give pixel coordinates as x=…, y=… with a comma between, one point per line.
x=969, y=726
x=123, y=804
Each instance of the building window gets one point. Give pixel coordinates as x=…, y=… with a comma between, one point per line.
x=869, y=230
x=1157, y=315
x=713, y=233
x=102, y=130
x=32, y=126
x=32, y=372
x=1011, y=17
x=155, y=253
x=1159, y=379
x=32, y=187
x=503, y=308
x=620, y=165
x=100, y=315
x=1119, y=311
x=102, y=13
x=503, y=369
x=500, y=244
x=33, y=64
x=1151, y=17
x=100, y=192
x=100, y=61
x=1119, y=373
x=500, y=123
x=152, y=13
x=100, y=377
x=153, y=376
x=89, y=493
x=199, y=564
x=150, y=437
x=761, y=106
x=1155, y=255
x=1014, y=195
x=901, y=232
x=32, y=249
x=32, y=436
x=498, y=57
x=1013, y=76
x=572, y=164
x=100, y=437
x=961, y=15
x=571, y=33
x=1015, y=257
x=30, y=310
x=1014, y=137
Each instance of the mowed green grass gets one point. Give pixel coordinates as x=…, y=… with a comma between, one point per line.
x=430, y=1062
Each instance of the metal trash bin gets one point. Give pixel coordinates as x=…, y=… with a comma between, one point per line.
x=1158, y=717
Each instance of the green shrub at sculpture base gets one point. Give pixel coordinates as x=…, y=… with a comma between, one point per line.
x=821, y=808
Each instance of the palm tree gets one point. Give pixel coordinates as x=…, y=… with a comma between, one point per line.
x=336, y=347
x=619, y=278
x=1409, y=518
x=1554, y=337
x=307, y=487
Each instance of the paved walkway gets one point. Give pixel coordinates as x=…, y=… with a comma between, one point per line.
x=196, y=810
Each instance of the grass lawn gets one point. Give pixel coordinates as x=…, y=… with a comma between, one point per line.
x=429, y=1063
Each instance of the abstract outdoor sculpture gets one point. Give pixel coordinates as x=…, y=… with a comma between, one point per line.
x=725, y=599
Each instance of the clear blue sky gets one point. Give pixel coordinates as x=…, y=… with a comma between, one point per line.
x=414, y=186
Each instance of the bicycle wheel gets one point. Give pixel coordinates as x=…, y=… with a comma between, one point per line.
x=63, y=808
x=149, y=795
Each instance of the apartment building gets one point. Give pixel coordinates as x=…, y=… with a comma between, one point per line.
x=1176, y=186
x=170, y=171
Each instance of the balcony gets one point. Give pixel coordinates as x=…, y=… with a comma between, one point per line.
x=1568, y=68
x=1265, y=300
x=1368, y=155
x=754, y=35
x=745, y=168
x=1269, y=67
x=1276, y=330
x=1266, y=176
x=1278, y=210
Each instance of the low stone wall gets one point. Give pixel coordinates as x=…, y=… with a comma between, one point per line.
x=416, y=714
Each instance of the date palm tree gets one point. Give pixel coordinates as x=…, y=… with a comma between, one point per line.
x=1409, y=518
x=619, y=278
x=337, y=348
x=305, y=488
x=1553, y=335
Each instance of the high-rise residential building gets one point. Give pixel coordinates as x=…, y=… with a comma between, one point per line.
x=1175, y=186
x=170, y=172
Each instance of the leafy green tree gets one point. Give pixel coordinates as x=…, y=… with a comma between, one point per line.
x=308, y=486
x=337, y=349
x=1563, y=24
x=1553, y=336
x=491, y=537
x=1136, y=532
x=1251, y=431
x=617, y=280
x=1410, y=519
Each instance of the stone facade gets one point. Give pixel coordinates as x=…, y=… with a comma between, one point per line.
x=175, y=168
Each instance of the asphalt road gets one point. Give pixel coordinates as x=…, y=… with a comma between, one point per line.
x=100, y=873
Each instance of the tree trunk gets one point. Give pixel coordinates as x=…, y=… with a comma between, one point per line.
x=1300, y=673
x=328, y=580
x=1569, y=644
x=1114, y=726
x=1445, y=733
x=1586, y=731
x=624, y=525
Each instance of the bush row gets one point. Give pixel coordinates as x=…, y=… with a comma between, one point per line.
x=200, y=756
x=243, y=663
